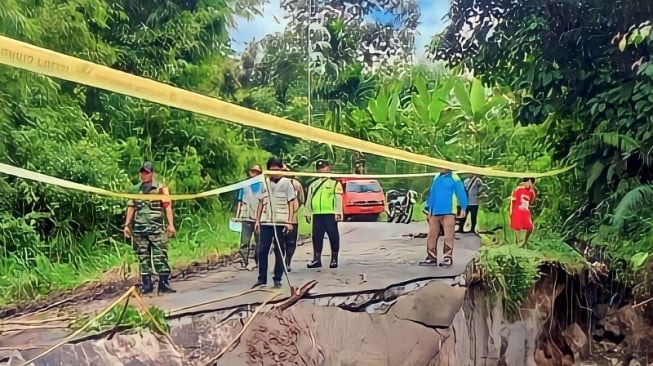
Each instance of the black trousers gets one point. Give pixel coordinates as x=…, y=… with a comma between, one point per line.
x=472, y=211
x=291, y=244
x=325, y=223
x=269, y=234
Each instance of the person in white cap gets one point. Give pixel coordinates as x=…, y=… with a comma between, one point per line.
x=246, y=204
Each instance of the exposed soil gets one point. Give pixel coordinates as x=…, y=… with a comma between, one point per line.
x=395, y=326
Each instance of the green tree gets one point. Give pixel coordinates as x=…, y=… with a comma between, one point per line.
x=584, y=69
x=98, y=138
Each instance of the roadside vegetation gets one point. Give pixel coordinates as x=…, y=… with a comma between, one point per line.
x=536, y=101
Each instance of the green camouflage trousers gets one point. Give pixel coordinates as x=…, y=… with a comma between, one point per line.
x=152, y=252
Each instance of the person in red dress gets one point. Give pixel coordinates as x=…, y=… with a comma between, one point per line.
x=520, y=215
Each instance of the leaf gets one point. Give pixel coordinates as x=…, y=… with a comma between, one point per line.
x=435, y=109
x=495, y=101
x=419, y=82
x=594, y=174
x=638, y=259
x=378, y=107
x=421, y=109
x=633, y=200
x=547, y=78
x=477, y=96
x=463, y=98
x=393, y=107
x=622, y=44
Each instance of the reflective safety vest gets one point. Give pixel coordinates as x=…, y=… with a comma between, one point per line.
x=322, y=194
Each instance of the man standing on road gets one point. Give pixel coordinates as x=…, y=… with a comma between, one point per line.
x=275, y=216
x=447, y=192
x=247, y=202
x=291, y=237
x=324, y=210
x=473, y=186
x=149, y=233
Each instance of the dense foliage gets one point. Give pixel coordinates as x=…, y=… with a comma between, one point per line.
x=99, y=138
x=583, y=71
x=534, y=100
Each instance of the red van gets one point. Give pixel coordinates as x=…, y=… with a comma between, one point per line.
x=362, y=199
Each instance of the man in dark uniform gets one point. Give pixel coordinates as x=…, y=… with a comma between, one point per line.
x=324, y=210
x=145, y=225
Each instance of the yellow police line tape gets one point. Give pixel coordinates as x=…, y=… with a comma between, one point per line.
x=42, y=178
x=364, y=176
x=36, y=59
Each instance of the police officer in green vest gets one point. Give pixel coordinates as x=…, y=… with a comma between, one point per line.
x=145, y=225
x=324, y=210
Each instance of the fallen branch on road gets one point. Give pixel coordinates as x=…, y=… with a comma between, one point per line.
x=297, y=294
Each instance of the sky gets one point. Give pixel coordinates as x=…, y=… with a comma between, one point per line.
x=272, y=21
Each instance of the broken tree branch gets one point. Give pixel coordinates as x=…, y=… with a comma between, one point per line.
x=297, y=294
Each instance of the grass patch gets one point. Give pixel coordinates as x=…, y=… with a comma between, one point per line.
x=510, y=271
x=103, y=260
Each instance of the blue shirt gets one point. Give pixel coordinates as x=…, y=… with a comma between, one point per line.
x=447, y=192
x=256, y=188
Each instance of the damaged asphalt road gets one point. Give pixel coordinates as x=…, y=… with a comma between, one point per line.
x=378, y=308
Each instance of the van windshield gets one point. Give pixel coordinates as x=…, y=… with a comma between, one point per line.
x=363, y=187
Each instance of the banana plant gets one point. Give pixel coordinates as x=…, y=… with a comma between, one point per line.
x=430, y=104
x=386, y=106
x=474, y=102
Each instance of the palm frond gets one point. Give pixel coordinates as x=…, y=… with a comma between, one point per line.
x=631, y=202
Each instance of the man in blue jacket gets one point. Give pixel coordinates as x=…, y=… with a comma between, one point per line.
x=447, y=193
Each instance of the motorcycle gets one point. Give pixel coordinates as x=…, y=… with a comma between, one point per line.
x=401, y=204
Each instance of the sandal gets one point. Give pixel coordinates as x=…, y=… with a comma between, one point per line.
x=447, y=258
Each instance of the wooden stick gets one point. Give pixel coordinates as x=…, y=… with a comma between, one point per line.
x=297, y=294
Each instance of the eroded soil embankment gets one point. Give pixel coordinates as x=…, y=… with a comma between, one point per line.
x=426, y=323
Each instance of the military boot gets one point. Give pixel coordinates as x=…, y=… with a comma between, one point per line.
x=164, y=285
x=317, y=261
x=146, y=284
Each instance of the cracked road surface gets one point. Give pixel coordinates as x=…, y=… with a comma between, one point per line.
x=373, y=256
x=374, y=259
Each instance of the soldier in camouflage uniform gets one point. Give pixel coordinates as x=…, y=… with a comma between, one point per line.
x=145, y=224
